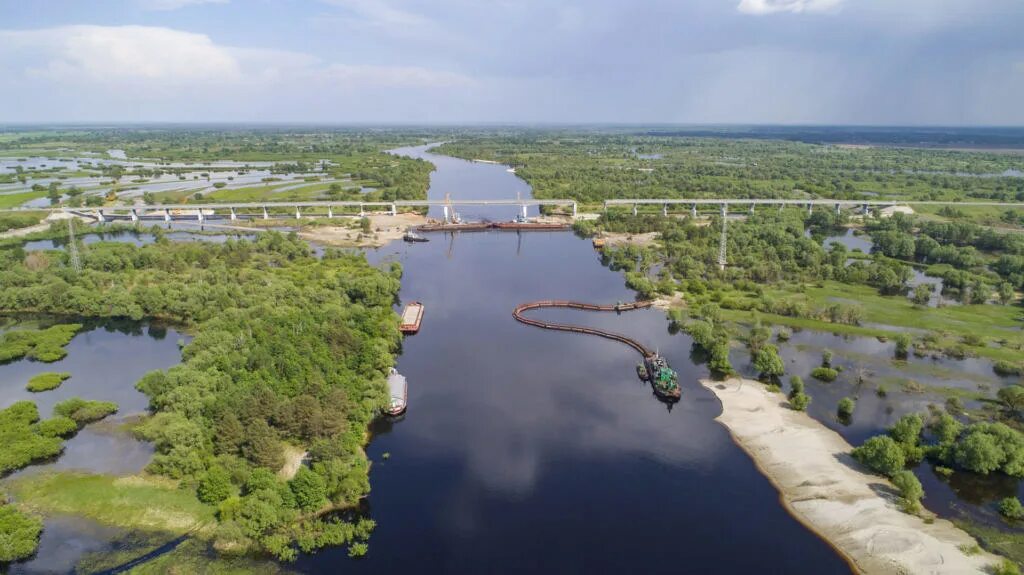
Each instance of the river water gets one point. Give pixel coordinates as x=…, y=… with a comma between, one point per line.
x=524, y=449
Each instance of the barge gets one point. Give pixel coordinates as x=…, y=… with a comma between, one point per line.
x=663, y=378
x=483, y=226
x=412, y=315
x=398, y=389
x=413, y=237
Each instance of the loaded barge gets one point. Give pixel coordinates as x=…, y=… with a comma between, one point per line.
x=412, y=315
x=663, y=378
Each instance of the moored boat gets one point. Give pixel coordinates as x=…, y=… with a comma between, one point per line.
x=412, y=315
x=398, y=389
x=411, y=237
x=663, y=378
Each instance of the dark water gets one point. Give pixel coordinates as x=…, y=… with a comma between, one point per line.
x=524, y=449
x=134, y=238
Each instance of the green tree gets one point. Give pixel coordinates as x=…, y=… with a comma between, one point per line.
x=1012, y=397
x=881, y=454
x=719, y=362
x=1011, y=508
x=922, y=295
x=768, y=362
x=845, y=408
x=910, y=489
x=309, y=489
x=979, y=452
x=215, y=486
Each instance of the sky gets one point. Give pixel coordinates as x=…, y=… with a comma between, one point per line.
x=869, y=62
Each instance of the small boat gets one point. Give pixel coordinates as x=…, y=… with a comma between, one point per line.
x=641, y=371
x=412, y=315
x=398, y=388
x=411, y=237
x=598, y=242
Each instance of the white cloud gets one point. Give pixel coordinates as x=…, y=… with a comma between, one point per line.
x=152, y=59
x=759, y=7
x=176, y=4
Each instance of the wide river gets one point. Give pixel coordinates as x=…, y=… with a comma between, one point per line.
x=528, y=450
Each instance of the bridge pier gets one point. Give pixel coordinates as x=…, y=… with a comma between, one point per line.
x=810, y=209
x=199, y=216
x=135, y=215
x=445, y=214
x=298, y=214
x=725, y=211
x=664, y=210
x=839, y=209
x=394, y=210
x=693, y=211
x=524, y=211
x=266, y=216
x=751, y=209
x=574, y=210
x=330, y=212
x=99, y=216
x=167, y=215
x=634, y=209
x=234, y=216
x=362, y=213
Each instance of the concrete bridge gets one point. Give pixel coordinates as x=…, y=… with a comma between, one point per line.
x=725, y=203
x=268, y=210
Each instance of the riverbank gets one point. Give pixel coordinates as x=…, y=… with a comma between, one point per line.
x=821, y=485
x=384, y=229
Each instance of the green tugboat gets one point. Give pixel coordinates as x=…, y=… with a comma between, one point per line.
x=663, y=378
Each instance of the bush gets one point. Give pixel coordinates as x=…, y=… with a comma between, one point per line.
x=358, y=549
x=1007, y=368
x=84, y=411
x=309, y=489
x=768, y=362
x=902, y=345
x=215, y=486
x=1011, y=508
x=46, y=381
x=19, y=534
x=825, y=374
x=58, y=427
x=881, y=454
x=910, y=489
x=21, y=441
x=846, y=407
x=799, y=401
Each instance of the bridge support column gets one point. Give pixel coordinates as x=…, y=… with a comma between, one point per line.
x=298, y=214
x=634, y=209
x=839, y=209
x=394, y=210
x=810, y=208
x=693, y=211
x=199, y=213
x=330, y=212
x=725, y=211
x=99, y=216
x=445, y=208
x=574, y=209
x=865, y=210
x=664, y=210
x=135, y=215
x=362, y=213
x=266, y=216
x=524, y=211
x=751, y=209
x=167, y=215
x=234, y=216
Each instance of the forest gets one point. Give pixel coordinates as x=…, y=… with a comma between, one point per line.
x=288, y=350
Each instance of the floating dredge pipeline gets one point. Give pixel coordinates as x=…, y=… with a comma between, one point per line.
x=518, y=314
x=654, y=368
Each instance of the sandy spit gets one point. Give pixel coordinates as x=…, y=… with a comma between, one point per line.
x=822, y=486
x=386, y=229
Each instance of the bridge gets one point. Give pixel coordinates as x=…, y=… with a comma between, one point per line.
x=725, y=203
x=267, y=210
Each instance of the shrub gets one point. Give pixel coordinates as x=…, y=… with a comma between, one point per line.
x=19, y=534
x=768, y=362
x=46, y=381
x=214, y=486
x=84, y=411
x=799, y=401
x=1011, y=508
x=902, y=345
x=881, y=454
x=846, y=407
x=309, y=489
x=825, y=374
x=910, y=489
x=58, y=427
x=1007, y=368
x=358, y=549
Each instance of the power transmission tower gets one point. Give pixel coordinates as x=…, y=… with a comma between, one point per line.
x=721, y=244
x=76, y=263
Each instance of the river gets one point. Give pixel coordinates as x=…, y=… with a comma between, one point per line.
x=530, y=450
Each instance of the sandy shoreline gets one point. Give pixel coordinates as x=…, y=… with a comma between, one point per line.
x=823, y=488
x=385, y=229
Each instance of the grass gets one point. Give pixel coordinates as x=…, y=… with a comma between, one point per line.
x=45, y=345
x=191, y=556
x=135, y=502
x=46, y=381
x=1007, y=544
x=15, y=200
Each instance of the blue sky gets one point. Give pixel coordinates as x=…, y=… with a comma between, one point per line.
x=946, y=62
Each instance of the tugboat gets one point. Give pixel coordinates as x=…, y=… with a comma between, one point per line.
x=411, y=237
x=641, y=371
x=399, y=390
x=663, y=378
